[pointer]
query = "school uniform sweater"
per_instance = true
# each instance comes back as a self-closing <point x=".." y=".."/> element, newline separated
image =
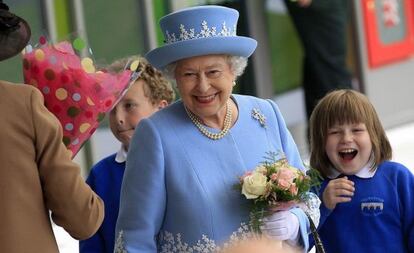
<point x="379" y="218"/>
<point x="105" y="179"/>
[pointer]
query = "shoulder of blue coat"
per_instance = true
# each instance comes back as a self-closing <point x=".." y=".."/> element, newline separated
<point x="263" y="104"/>
<point x="168" y="113"/>
<point x="249" y="99"/>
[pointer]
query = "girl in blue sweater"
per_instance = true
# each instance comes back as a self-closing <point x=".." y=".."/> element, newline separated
<point x="368" y="201"/>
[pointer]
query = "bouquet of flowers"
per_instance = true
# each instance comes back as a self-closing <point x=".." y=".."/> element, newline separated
<point x="74" y="91"/>
<point x="275" y="185"/>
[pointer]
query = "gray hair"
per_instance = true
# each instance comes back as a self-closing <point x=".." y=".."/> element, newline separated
<point x="237" y="65"/>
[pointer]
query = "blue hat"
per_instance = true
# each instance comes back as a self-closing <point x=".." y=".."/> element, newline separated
<point x="201" y="30"/>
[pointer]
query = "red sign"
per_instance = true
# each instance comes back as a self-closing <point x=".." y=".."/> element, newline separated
<point x="389" y="30"/>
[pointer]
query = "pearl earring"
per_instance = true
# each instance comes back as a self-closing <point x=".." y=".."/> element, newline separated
<point x="234" y="83"/>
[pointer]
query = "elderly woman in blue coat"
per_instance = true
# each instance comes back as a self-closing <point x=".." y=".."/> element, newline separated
<point x="178" y="191"/>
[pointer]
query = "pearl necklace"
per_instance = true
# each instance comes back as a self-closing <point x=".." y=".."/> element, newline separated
<point x="214" y="136"/>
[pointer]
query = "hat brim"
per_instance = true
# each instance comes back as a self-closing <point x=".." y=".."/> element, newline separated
<point x="13" y="42"/>
<point x="236" y="45"/>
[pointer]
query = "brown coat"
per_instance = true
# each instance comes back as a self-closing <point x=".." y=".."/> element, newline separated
<point x="38" y="176"/>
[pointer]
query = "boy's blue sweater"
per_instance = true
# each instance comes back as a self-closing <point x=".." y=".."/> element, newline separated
<point x="105" y="179"/>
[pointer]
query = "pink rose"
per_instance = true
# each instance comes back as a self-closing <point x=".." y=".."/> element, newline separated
<point x="286" y="173"/>
<point x="293" y="189"/>
<point x="248" y="173"/>
<point x="284" y="177"/>
<point x="283" y="184"/>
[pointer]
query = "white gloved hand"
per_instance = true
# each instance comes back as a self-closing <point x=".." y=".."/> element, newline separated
<point x="281" y="225"/>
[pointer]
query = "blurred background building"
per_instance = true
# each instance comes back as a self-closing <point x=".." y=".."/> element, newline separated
<point x="380" y="55"/>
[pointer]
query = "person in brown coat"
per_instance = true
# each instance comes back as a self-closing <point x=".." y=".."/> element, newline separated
<point x="37" y="175"/>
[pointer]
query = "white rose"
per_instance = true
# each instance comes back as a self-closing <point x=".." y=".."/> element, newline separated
<point x="254" y="185"/>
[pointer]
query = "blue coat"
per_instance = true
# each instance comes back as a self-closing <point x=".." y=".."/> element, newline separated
<point x="178" y="192"/>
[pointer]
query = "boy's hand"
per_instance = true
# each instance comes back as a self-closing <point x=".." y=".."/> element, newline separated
<point x="339" y="190"/>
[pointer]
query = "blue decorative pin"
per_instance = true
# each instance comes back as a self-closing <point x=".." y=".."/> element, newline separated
<point x="256" y="114"/>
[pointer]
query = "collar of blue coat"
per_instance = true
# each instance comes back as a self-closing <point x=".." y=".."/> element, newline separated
<point x="121" y="155"/>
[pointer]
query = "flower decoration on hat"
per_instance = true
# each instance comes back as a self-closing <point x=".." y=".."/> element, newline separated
<point x="74" y="91"/>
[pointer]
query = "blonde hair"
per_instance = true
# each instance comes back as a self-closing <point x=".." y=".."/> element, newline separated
<point x="342" y="107"/>
<point x="157" y="87"/>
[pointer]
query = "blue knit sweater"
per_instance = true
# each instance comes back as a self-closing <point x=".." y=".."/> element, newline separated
<point x="380" y="217"/>
<point x="105" y="179"/>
